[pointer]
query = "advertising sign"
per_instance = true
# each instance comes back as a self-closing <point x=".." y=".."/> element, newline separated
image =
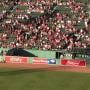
<point x="16" y="59"/>
<point x="51" y="61"/>
<point x="39" y="60"/>
<point x="77" y="63"/>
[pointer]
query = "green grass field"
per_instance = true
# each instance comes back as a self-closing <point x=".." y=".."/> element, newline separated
<point x="26" y="79"/>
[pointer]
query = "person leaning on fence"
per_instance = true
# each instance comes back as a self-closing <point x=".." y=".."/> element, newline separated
<point x="3" y="53"/>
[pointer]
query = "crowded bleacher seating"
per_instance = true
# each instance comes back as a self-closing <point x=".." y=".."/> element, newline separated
<point x="44" y="24"/>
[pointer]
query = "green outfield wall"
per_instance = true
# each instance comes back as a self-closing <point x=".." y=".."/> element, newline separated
<point x="53" y="55"/>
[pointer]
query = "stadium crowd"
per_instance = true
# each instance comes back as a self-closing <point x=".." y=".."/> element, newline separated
<point x="47" y="28"/>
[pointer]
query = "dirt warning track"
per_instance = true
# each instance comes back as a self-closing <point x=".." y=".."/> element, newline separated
<point x="46" y="67"/>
